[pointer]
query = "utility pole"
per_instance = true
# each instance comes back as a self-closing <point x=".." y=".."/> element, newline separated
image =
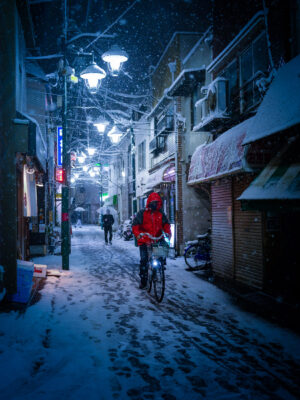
<point x="65" y="223"/>
<point x="134" y="205"/>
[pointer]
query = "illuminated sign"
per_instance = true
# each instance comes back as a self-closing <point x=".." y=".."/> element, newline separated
<point x="59" y="175"/>
<point x="59" y="146"/>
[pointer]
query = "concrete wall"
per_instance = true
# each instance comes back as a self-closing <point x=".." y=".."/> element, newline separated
<point x="8" y="193"/>
<point x="196" y="217"/>
<point x="196" y="213"/>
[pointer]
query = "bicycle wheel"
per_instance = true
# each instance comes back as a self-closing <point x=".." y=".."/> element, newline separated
<point x="159" y="282"/>
<point x="192" y="257"/>
<point x="149" y="280"/>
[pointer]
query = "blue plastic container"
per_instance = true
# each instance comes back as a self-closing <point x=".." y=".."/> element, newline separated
<point x="24" y="282"/>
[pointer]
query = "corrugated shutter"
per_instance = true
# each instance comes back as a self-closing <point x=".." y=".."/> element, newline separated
<point x="247" y="238"/>
<point x="222" y="237"/>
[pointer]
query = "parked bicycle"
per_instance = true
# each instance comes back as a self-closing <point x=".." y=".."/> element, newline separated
<point x="157" y="254"/>
<point x="197" y="253"/>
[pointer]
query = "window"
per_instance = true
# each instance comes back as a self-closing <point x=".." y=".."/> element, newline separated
<point x="253" y="64"/>
<point x="230" y="73"/>
<point x="142" y="156"/>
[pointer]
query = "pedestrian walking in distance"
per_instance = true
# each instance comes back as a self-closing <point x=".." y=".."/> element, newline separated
<point x="150" y="220"/>
<point x="108" y="221"/>
<point x="79" y="224"/>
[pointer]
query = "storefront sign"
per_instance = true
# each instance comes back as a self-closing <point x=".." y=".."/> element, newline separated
<point x="169" y="174"/>
<point x="59" y="146"/>
<point x="65" y="217"/>
<point x="59" y="175"/>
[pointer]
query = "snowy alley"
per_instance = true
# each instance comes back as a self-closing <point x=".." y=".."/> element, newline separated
<point x="93" y="334"/>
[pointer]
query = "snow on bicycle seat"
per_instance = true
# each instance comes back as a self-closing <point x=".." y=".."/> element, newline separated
<point x="191" y="242"/>
<point x="202" y="236"/>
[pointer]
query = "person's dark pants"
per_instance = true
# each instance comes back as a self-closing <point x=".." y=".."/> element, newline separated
<point x="143" y="263"/>
<point x="106" y="231"/>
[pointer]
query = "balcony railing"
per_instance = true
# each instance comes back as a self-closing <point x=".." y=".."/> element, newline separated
<point x="165" y="124"/>
<point x="157" y="144"/>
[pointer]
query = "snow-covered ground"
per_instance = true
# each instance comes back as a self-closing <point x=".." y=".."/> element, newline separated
<point x="94" y="335"/>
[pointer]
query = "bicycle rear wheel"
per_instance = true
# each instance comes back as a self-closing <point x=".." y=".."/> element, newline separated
<point x="192" y="257"/>
<point x="159" y="282"/>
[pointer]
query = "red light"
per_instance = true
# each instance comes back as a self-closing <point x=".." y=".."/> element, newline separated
<point x="59" y="175"/>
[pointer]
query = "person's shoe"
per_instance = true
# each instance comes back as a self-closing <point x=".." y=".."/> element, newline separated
<point x="110" y="243"/>
<point x="106" y="243"/>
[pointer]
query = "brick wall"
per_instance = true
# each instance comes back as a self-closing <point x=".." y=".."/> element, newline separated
<point x="179" y="211"/>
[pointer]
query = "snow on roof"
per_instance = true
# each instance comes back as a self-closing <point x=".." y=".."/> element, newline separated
<point x="169" y="44"/>
<point x="280" y="108"/>
<point x="192" y="51"/>
<point x="182" y="75"/>
<point x="221" y="157"/>
<point x="237" y="39"/>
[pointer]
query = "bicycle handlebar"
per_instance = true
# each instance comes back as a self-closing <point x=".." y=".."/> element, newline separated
<point x="152" y="237"/>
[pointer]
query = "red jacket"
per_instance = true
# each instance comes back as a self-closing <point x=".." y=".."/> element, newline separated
<point x="152" y="222"/>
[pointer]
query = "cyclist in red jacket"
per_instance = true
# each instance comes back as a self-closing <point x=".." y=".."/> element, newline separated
<point x="150" y="220"/>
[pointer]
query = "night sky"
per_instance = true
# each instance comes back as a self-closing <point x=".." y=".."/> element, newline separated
<point x="143" y="32"/>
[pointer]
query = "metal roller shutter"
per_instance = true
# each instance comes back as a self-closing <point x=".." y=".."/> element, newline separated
<point x="222" y="236"/>
<point x="247" y="239"/>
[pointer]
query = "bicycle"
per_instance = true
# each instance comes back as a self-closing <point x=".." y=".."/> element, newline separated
<point x="197" y="253"/>
<point x="157" y="254"/>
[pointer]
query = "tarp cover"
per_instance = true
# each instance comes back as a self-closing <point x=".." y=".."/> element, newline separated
<point x="221" y="157"/>
<point x="279" y="180"/>
<point x="280" y="108"/>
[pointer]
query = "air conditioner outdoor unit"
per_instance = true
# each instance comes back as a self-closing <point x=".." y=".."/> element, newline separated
<point x="217" y="96"/>
<point x="202" y="109"/>
<point x="213" y="106"/>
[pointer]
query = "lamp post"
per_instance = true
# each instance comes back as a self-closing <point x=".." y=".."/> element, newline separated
<point x="132" y="148"/>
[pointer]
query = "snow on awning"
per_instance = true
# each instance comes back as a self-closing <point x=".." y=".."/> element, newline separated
<point x="221" y="157"/>
<point x="279" y="180"/>
<point x="186" y="81"/>
<point x="165" y="174"/>
<point x="280" y="108"/>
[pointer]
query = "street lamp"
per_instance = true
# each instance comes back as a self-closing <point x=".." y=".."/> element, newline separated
<point x="115" y="57"/>
<point x="91" y="151"/>
<point x="92" y="76"/>
<point x="101" y="125"/>
<point x="114" y="134"/>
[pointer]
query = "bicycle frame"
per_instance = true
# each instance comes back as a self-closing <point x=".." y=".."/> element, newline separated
<point x="156" y="273"/>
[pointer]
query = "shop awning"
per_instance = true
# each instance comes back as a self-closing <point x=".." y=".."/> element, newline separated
<point x="165" y="174"/>
<point x="280" y="108"/>
<point x="222" y="157"/>
<point x="279" y="180"/>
